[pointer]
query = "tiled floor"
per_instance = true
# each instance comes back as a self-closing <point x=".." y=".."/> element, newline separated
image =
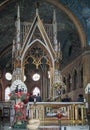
<point x="43" y="126"/>
<point x="7" y="126"/>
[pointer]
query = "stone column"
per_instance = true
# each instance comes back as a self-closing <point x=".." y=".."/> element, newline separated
<point x="51" y="81"/>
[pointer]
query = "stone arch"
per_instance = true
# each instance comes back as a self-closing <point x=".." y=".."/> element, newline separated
<point x="81" y="76"/>
<point x="64" y="80"/>
<point x="39" y="42"/>
<point x="69" y="82"/>
<point x="47" y="55"/>
<point x="74" y="20"/>
<point x="36" y="90"/>
<point x="7" y="92"/>
<point x="75" y="79"/>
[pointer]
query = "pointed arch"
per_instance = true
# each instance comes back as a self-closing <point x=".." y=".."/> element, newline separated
<point x="64" y="81"/>
<point x="69" y="83"/>
<point x="44" y="48"/>
<point x="7" y="92"/>
<point x="75" y="79"/>
<point x="81" y="77"/>
<point x="36" y="90"/>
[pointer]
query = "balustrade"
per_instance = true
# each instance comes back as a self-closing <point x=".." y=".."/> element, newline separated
<point x="66" y="112"/>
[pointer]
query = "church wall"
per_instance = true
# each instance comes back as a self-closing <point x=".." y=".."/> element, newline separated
<point x="86" y="64"/>
<point x="78" y="87"/>
<point x="4" y="83"/>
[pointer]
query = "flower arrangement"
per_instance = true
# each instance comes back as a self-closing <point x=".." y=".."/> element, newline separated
<point x="20" y="99"/>
<point x="57" y="85"/>
<point x="19" y="95"/>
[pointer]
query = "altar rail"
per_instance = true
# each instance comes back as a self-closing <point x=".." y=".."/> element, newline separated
<point x="64" y="112"/>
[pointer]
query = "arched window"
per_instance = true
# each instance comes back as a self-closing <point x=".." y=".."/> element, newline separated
<point x="7" y="92"/>
<point x="69" y="83"/>
<point x="75" y="80"/>
<point x="36" y="91"/>
<point x="81" y="75"/>
<point x="70" y="50"/>
<point x="64" y="80"/>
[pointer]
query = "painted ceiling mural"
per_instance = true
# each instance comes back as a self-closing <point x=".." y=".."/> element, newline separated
<point x="67" y="33"/>
<point x="81" y="8"/>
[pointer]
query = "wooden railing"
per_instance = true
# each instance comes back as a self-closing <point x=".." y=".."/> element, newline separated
<point x="64" y="112"/>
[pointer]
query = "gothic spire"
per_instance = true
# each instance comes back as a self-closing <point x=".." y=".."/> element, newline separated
<point x="37" y="6"/>
<point x="55" y="30"/>
<point x="18" y="28"/>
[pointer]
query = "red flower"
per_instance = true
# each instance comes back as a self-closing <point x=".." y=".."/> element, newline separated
<point x="16" y="94"/>
<point x="19" y="96"/>
<point x="20" y="104"/>
<point x="25" y="101"/>
<point x="59" y="115"/>
<point x="27" y="94"/>
<point x="16" y="108"/>
<point x="9" y="94"/>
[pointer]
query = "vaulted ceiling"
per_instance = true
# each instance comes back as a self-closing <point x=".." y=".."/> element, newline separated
<point x="66" y="12"/>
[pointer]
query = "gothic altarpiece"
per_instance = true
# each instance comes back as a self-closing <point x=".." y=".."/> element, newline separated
<point x="34" y="42"/>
